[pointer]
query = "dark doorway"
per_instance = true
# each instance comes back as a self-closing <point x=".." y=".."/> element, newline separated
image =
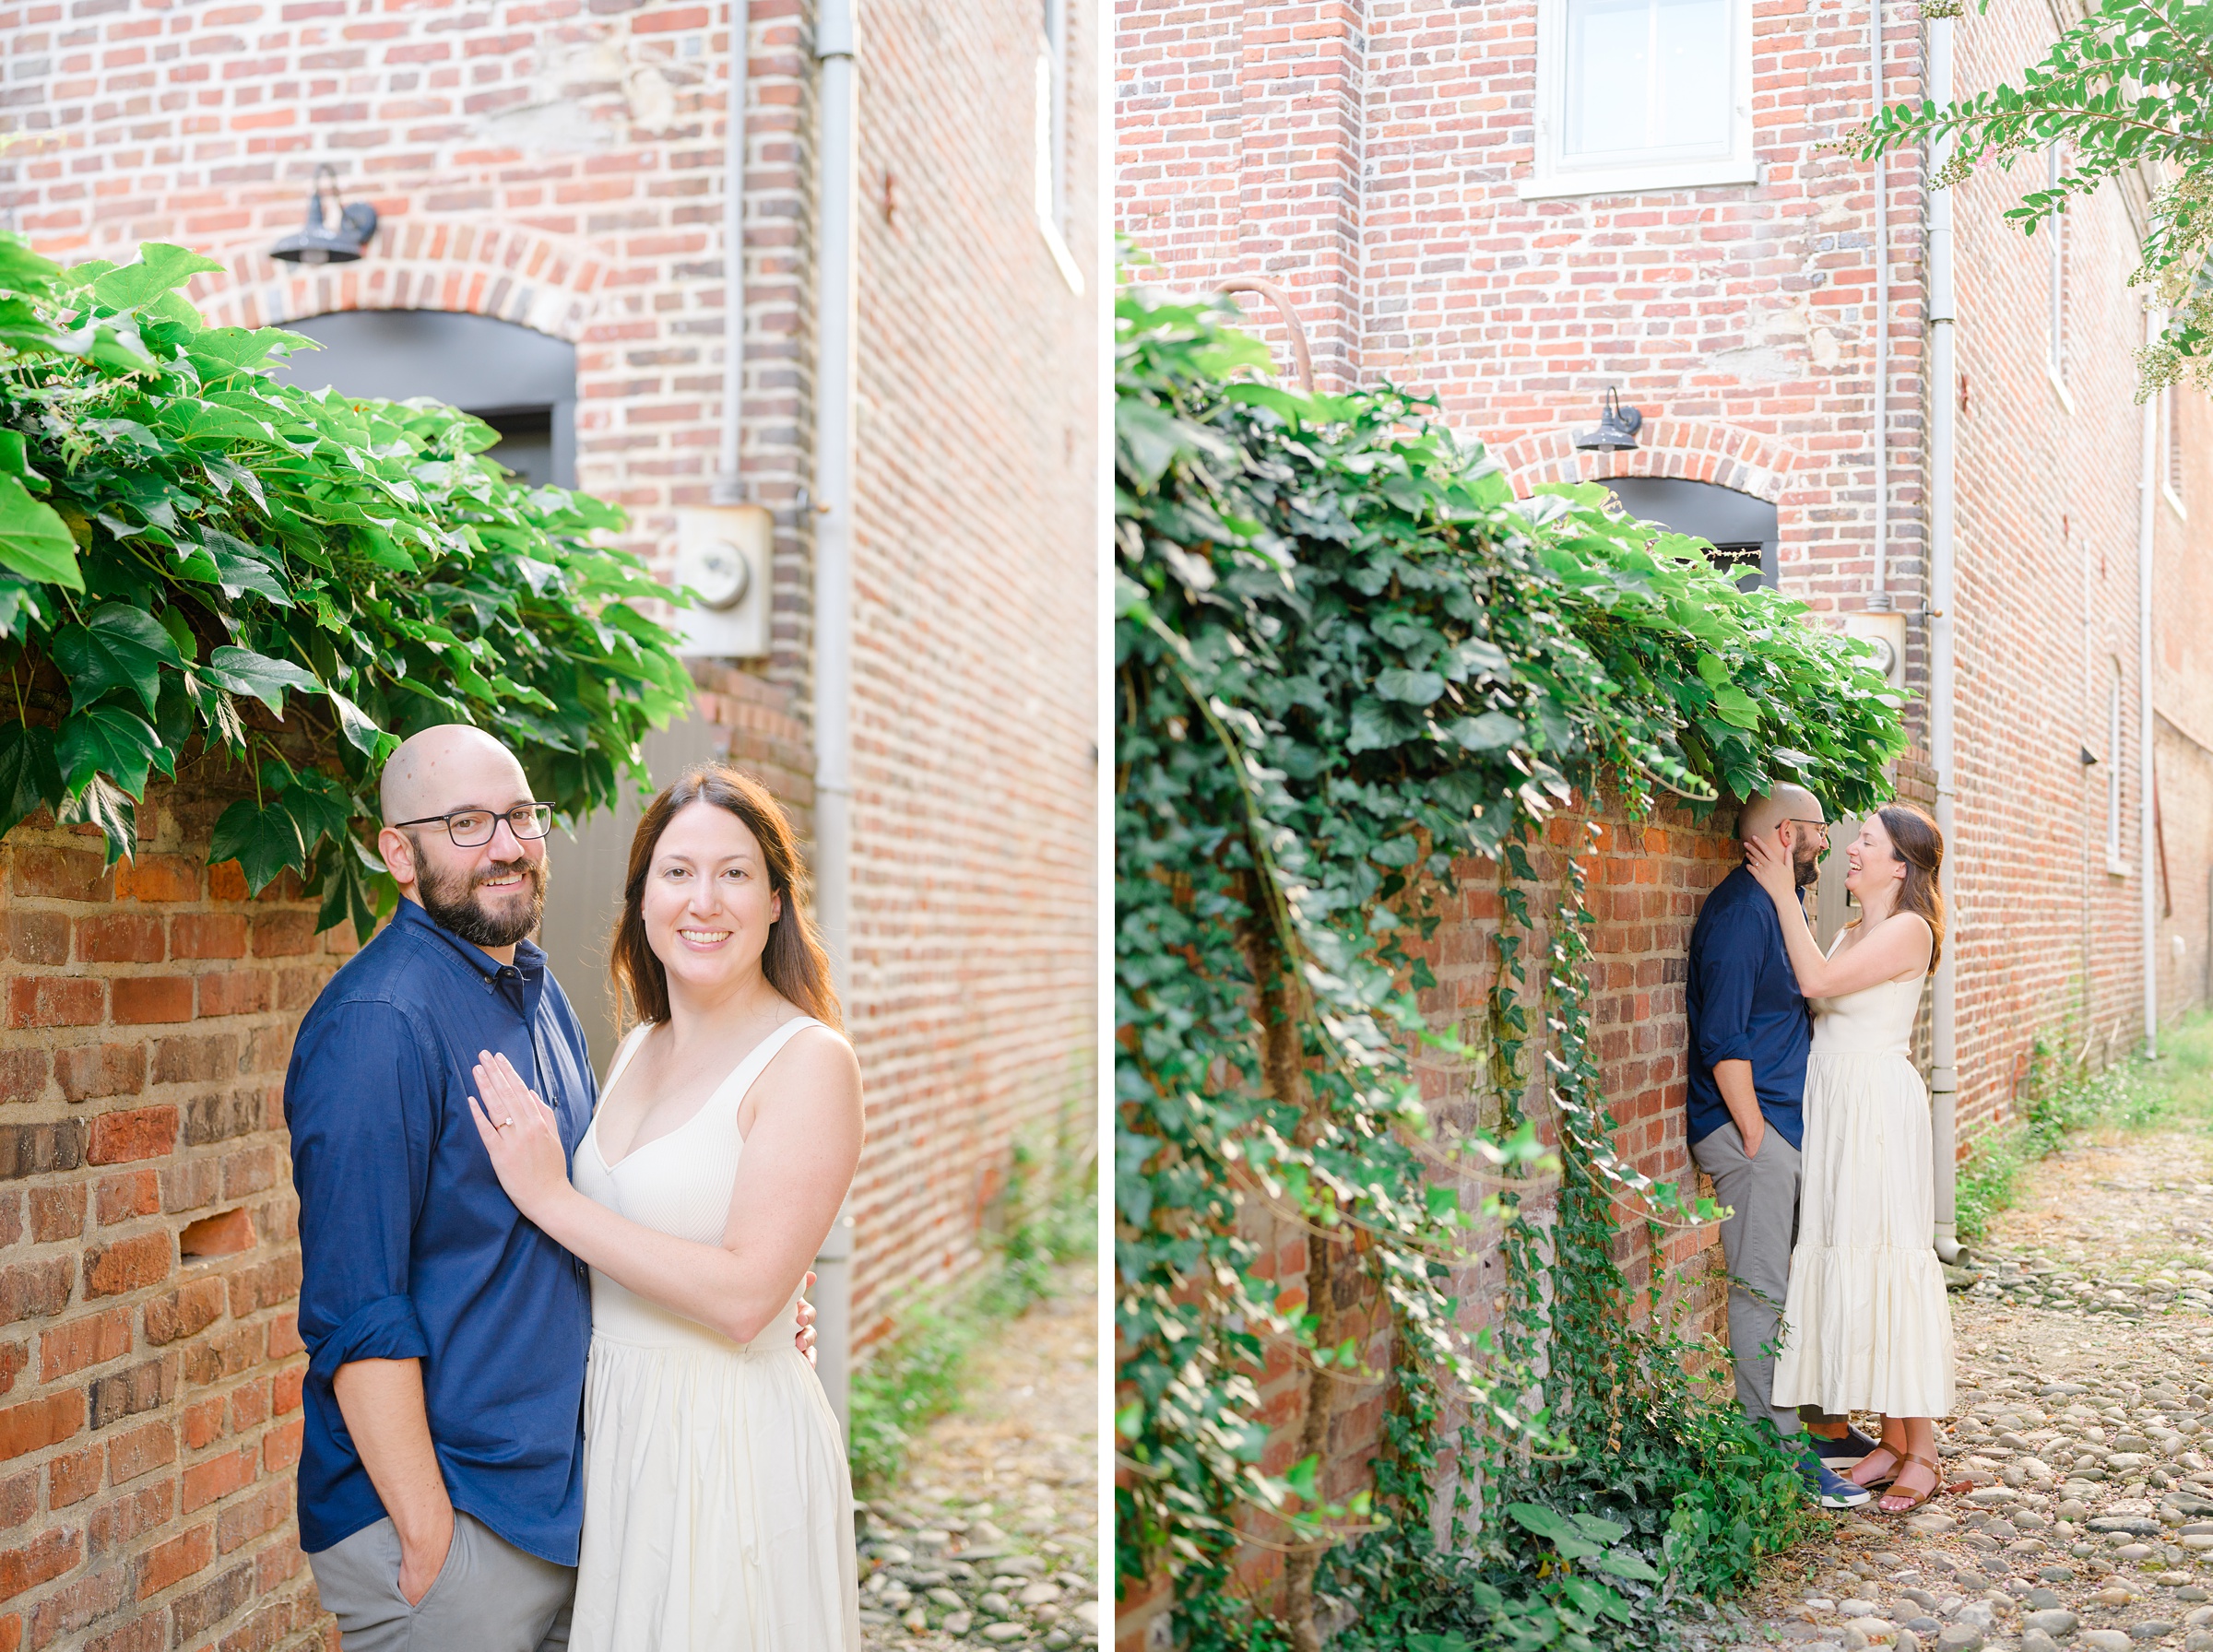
<point x="521" y="383"/>
<point x="1740" y="529"/>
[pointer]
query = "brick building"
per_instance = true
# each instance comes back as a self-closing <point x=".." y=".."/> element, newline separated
<point x="917" y="380"/>
<point x="1518" y="207"/>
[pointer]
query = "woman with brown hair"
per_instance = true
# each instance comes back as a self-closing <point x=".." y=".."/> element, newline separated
<point x="717" y="1508"/>
<point x="1867" y="1326"/>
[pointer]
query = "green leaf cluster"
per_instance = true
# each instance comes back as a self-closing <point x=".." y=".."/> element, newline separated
<point x="1349" y="666"/>
<point x="2128" y="87"/>
<point x="200" y="563"/>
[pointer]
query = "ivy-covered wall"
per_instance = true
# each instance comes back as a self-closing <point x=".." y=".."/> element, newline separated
<point x="1646" y="878"/>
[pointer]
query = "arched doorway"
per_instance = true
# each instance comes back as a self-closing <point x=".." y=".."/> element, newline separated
<point x="521" y="383"/>
<point x="1741" y="529"/>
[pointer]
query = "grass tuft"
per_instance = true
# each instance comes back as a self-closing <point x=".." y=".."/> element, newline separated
<point x="915" y="1375"/>
<point x="2059" y="1099"/>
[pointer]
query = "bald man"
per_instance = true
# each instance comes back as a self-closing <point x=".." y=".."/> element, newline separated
<point x="440" y="1483"/>
<point x="1750" y="1031"/>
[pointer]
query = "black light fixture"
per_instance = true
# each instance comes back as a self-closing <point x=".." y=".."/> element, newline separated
<point x="1617" y="428"/>
<point x="319" y="240"/>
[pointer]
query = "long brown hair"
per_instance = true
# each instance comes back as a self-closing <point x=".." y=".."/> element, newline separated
<point x="793" y="960"/>
<point x="1916" y="842"/>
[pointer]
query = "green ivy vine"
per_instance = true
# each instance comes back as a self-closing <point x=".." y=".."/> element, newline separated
<point x="200" y="563"/>
<point x="1351" y="667"/>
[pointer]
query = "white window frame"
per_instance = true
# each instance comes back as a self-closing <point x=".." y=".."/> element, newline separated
<point x="1051" y="180"/>
<point x="2055" y="318"/>
<point x="2116" y="864"/>
<point x="1553" y="179"/>
<point x="2170" y="451"/>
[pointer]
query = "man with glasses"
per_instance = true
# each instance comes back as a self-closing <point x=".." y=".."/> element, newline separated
<point x="440" y="1481"/>
<point x="1750" y="1033"/>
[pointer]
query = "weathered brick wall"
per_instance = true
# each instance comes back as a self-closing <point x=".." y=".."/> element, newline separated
<point x="1647" y="879"/>
<point x="2182" y="690"/>
<point x="2051" y="939"/>
<point x="1741" y="321"/>
<point x="976" y="762"/>
<point x="150" y="1361"/>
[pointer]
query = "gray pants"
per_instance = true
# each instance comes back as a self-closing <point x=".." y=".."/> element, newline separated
<point x="1762" y="1194"/>
<point x="488" y="1597"/>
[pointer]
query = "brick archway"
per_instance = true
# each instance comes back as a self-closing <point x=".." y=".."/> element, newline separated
<point x="502" y="271"/>
<point x="1691" y="449"/>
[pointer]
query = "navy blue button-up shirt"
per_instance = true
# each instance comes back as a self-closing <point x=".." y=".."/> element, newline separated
<point x="1743" y="1003"/>
<point x="411" y="1250"/>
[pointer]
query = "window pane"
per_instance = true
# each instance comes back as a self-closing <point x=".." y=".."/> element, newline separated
<point x="1694" y="74"/>
<point x="1647" y="75"/>
<point x="1609" y="74"/>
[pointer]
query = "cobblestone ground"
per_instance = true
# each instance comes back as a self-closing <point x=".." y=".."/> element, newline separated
<point x="992" y="1537"/>
<point x="2081" y="1459"/>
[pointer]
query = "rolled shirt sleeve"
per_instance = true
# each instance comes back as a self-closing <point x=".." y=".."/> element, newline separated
<point x="359" y="1104"/>
<point x="1728" y="976"/>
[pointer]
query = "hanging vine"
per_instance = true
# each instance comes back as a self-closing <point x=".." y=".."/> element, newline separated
<point x="1350" y="666"/>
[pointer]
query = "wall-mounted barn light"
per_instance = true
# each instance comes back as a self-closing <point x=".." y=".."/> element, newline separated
<point x="1617" y="428"/>
<point x="321" y="241"/>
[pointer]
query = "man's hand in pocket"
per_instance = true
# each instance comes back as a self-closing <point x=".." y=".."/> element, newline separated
<point x="421" y="1563"/>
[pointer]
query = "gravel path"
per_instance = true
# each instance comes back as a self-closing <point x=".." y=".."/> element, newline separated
<point x="992" y="1537"/>
<point x="2084" y="1423"/>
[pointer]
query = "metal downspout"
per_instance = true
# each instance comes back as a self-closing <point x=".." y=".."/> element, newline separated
<point x="728" y="490"/>
<point x="1878" y="592"/>
<point x="2147" y="850"/>
<point x="831" y="498"/>
<point x="1943" y="406"/>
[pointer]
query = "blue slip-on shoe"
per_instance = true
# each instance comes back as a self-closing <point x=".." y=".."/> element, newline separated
<point x="1844" y="1450"/>
<point x="1831" y="1490"/>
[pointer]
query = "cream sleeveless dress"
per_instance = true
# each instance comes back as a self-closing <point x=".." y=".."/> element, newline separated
<point x="718" y="1507"/>
<point x="1867" y="1326"/>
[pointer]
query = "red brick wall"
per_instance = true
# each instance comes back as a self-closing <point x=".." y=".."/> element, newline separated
<point x="976" y="762"/>
<point x="1741" y="321"/>
<point x="150" y="1361"/>
<point x="1647" y="880"/>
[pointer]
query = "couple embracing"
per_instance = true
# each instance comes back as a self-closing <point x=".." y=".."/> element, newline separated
<point x="1809" y="1116"/>
<point x="558" y="1391"/>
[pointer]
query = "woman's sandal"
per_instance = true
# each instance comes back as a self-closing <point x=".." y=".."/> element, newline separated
<point x="1916" y="1498"/>
<point x="1888" y="1475"/>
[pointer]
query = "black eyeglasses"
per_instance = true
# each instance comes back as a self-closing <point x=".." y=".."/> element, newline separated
<point x="473" y="828"/>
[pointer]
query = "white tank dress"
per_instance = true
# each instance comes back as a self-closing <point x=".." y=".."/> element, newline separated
<point x="1867" y="1326"/>
<point x="718" y="1506"/>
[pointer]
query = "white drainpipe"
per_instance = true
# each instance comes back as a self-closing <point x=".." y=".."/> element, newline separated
<point x="832" y="497"/>
<point x="1878" y="593"/>
<point x="727" y="489"/>
<point x="1943" y="405"/>
<point x="2147" y="847"/>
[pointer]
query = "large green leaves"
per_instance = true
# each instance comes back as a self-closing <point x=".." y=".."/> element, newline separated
<point x="240" y="567"/>
<point x="157" y="270"/>
<point x="112" y="740"/>
<point x="34" y="541"/>
<point x="29" y="777"/>
<point x="241" y="671"/>
<point x="118" y="647"/>
<point x="262" y="838"/>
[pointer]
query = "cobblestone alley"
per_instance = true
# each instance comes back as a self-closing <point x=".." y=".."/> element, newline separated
<point x="2081" y="1455"/>
<point x="992" y="1537"/>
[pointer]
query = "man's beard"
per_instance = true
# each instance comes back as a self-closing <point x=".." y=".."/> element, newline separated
<point x="453" y="901"/>
<point x="1807" y="872"/>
